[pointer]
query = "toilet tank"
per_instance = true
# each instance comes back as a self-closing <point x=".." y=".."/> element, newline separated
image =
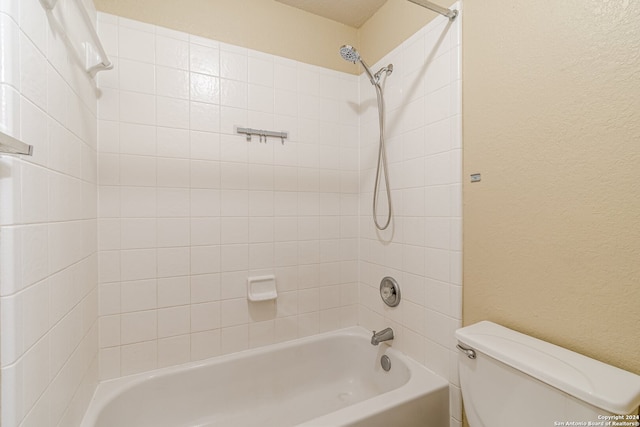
<point x="516" y="379"/>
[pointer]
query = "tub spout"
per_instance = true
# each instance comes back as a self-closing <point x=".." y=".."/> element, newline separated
<point x="383" y="335"/>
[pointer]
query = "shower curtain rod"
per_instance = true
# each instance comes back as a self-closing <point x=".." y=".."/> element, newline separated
<point x="451" y="14"/>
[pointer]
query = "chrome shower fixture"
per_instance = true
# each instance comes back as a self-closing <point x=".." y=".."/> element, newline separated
<point x="349" y="53"/>
<point x="451" y="14"/>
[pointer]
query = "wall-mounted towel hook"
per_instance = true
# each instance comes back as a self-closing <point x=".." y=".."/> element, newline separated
<point x="262" y="134"/>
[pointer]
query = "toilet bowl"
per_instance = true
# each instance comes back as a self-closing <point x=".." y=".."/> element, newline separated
<point x="508" y="379"/>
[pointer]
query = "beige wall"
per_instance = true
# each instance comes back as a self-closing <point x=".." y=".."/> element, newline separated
<point x="392" y="24"/>
<point x="263" y="25"/>
<point x="272" y="27"/>
<point x="552" y="121"/>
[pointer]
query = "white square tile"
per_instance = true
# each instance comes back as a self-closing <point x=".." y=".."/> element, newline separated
<point x="205" y="316"/>
<point x="173" y="232"/>
<point x="234" y="230"/>
<point x="173" y="202"/>
<point x="205" y="231"/>
<point x="261" y="333"/>
<point x="205" y="117"/>
<point x="205" y="259"/>
<point x="138" y="202"/>
<point x="108" y="137"/>
<point x="205" y="145"/>
<point x="205" y="344"/>
<point x="109" y="104"/>
<point x="138" y="357"/>
<point x="205" y="88"/>
<point x="173" y="172"/>
<point x="138" y="171"/>
<point x="109" y="270"/>
<point x="173" y="291"/>
<point x="234" y="176"/>
<point x="205" y="174"/>
<point x="174" y="350"/>
<point x="138" y="264"/>
<point x="173" y="321"/>
<point x="261" y="229"/>
<point x="234" y="339"/>
<point x="173" y="262"/>
<point x="137" y="139"/>
<point x="261" y="256"/>
<point x="234" y="203"/>
<point x="233" y="66"/>
<point x="172" y="83"/>
<point x="205" y="60"/>
<point x="205" y="202"/>
<point x="233" y="284"/>
<point x="109" y="363"/>
<point x="108" y="234"/>
<point x="261" y="203"/>
<point x="138" y="295"/>
<point x="285" y="75"/>
<point x="233" y="93"/>
<point x="173" y="142"/>
<point x="438" y="233"/>
<point x="137" y="108"/>
<point x="234" y="312"/>
<point x="205" y="288"/>
<point x="261" y="98"/>
<point x="138" y="233"/>
<point x="33" y="69"/>
<point x="172" y="53"/>
<point x="136" y="45"/>
<point x="108" y="33"/>
<point x="136" y="76"/>
<point x="139" y="326"/>
<point x="261" y="71"/>
<point x="234" y="257"/>
<point x="172" y="112"/>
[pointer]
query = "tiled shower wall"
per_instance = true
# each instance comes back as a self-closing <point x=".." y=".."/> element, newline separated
<point x="422" y="247"/>
<point x="188" y="209"/>
<point x="48" y="239"/>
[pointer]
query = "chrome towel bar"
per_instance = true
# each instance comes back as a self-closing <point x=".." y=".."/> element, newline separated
<point x="262" y="134"/>
<point x="10" y="145"/>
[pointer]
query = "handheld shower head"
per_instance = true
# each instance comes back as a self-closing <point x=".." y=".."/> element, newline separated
<point x="349" y="53"/>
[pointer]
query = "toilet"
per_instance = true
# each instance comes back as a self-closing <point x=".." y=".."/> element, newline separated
<point x="511" y="379"/>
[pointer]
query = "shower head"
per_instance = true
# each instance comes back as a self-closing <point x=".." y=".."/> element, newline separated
<point x="349" y="53"/>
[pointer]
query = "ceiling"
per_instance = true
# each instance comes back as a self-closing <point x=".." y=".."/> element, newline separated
<point x="349" y="12"/>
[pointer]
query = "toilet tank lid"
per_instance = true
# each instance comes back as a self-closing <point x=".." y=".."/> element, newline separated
<point x="596" y="383"/>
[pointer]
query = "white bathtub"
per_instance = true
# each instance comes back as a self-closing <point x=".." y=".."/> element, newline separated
<point x="332" y="379"/>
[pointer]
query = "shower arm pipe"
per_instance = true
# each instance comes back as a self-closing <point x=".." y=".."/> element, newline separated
<point x="105" y="63"/>
<point x="451" y="14"/>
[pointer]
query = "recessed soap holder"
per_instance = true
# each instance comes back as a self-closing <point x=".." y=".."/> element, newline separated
<point x="261" y="288"/>
<point x="390" y="291"/>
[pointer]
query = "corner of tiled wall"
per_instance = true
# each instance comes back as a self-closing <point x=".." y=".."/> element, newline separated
<point x="422" y="247"/>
